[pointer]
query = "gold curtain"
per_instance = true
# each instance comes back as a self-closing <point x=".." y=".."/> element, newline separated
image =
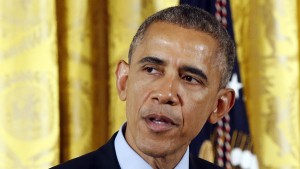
<point x="82" y="53"/>
<point x="29" y="113"/>
<point x="267" y="36"/>
<point x="57" y="86"/>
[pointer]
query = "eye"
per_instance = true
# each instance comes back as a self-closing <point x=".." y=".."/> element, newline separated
<point x="190" y="79"/>
<point x="151" y="70"/>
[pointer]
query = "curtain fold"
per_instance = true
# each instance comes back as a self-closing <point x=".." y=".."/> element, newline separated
<point x="29" y="114"/>
<point x="83" y="76"/>
<point x="268" y="43"/>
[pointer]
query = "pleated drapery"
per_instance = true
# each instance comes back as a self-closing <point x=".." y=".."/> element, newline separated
<point x="29" y="112"/>
<point x="82" y="60"/>
<point x="267" y="36"/>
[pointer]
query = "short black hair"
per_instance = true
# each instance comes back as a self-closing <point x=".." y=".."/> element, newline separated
<point x="197" y="19"/>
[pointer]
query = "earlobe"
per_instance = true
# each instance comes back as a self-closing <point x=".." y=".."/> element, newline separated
<point x="226" y="99"/>
<point x="121" y="77"/>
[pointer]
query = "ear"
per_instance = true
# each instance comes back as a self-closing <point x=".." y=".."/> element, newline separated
<point x="122" y="76"/>
<point x="226" y="99"/>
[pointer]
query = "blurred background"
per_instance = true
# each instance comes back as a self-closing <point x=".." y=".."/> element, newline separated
<point x="58" y="98"/>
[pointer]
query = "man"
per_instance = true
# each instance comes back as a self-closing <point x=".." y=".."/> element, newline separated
<point x="180" y="61"/>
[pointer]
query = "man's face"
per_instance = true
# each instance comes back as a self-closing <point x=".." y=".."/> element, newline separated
<point x="170" y="88"/>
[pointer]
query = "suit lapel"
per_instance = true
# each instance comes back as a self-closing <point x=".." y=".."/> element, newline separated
<point x="106" y="155"/>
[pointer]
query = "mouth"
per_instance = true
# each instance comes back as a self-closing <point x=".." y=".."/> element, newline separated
<point x="159" y="123"/>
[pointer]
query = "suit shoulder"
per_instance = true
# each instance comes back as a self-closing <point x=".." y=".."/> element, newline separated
<point x="81" y="162"/>
<point x="196" y="163"/>
<point x="104" y="157"/>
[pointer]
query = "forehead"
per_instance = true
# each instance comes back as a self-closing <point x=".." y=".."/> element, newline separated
<point x="177" y="41"/>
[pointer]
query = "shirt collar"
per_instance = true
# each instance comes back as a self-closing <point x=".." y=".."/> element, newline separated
<point x="129" y="159"/>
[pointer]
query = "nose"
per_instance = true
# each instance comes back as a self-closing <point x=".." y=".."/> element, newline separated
<point x="166" y="92"/>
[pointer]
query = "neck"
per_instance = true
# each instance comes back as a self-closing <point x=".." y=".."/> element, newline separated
<point x="158" y="160"/>
<point x="166" y="162"/>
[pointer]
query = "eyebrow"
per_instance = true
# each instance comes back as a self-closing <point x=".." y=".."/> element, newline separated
<point x="152" y="59"/>
<point x="195" y="71"/>
<point x="158" y="61"/>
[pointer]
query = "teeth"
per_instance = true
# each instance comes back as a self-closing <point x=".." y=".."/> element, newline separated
<point x="158" y="121"/>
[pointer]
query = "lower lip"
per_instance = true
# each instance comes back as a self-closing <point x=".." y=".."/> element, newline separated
<point x="159" y="127"/>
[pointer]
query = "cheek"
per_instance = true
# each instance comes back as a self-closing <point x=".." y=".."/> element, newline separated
<point x="194" y="121"/>
<point x="137" y="92"/>
<point x="196" y="110"/>
<point x="195" y="102"/>
<point x="194" y="94"/>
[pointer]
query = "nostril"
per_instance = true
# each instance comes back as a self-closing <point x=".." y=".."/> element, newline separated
<point x="170" y="102"/>
<point x="155" y="98"/>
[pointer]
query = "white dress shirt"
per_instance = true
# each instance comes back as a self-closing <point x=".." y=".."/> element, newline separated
<point x="129" y="159"/>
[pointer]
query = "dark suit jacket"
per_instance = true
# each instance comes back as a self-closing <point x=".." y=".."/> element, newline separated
<point x="105" y="158"/>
